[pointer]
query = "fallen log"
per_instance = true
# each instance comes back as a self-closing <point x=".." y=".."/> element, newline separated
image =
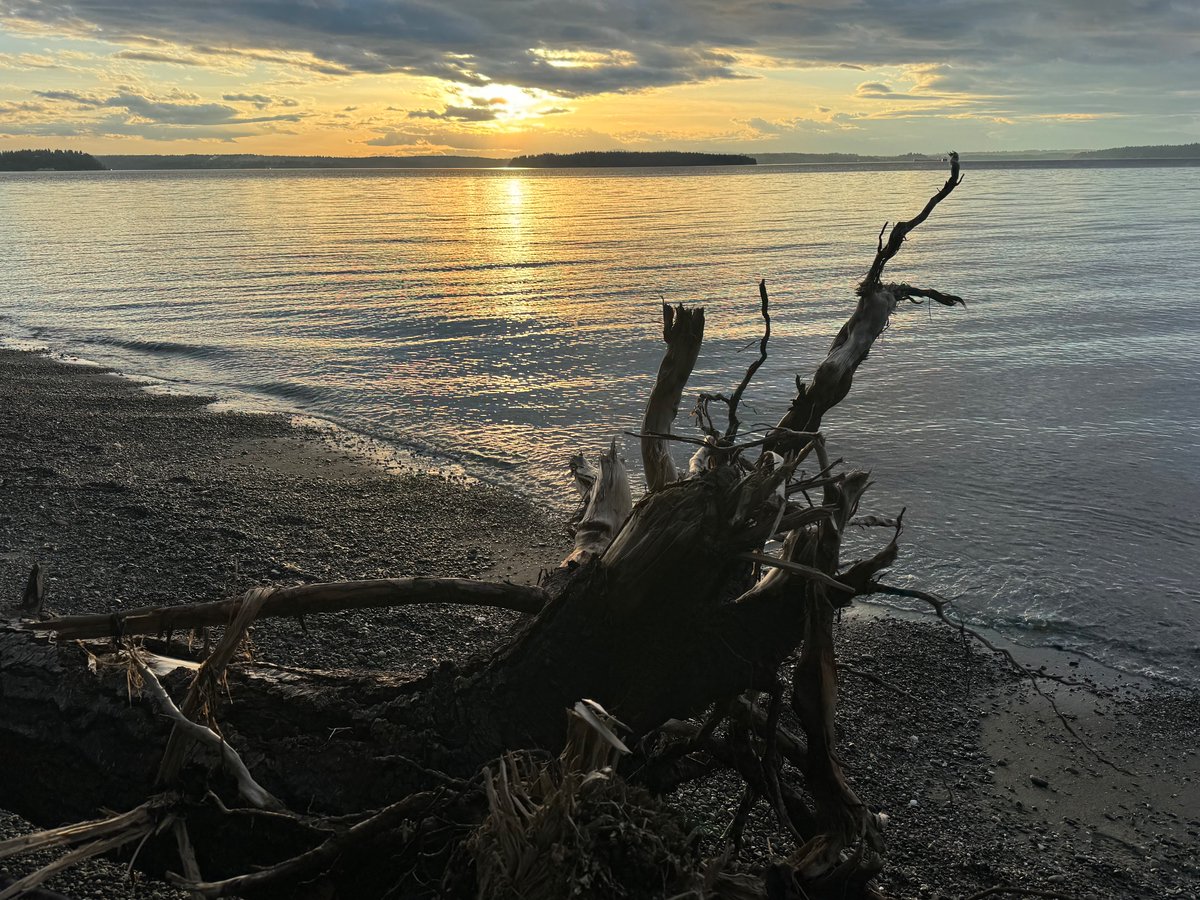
<point x="670" y="611"/>
<point x="296" y="601"/>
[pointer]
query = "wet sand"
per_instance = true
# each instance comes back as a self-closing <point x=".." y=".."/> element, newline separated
<point x="130" y="499"/>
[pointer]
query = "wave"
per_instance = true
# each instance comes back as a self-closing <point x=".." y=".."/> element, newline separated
<point x="163" y="348"/>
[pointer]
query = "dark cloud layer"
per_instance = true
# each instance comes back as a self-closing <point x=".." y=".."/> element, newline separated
<point x="456" y="114"/>
<point x="637" y="44"/>
<point x="171" y="111"/>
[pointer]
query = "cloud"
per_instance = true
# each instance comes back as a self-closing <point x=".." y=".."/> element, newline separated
<point x="173" y="113"/>
<point x="443" y="139"/>
<point x="993" y="60"/>
<point x="560" y="47"/>
<point x="20" y="109"/>
<point x="178" y="109"/>
<point x="395" y="139"/>
<point x="457" y="114"/>
<point x="70" y="97"/>
<point x="877" y="90"/>
<point x="262" y="101"/>
<point x="28" y="61"/>
<point x="874" y="89"/>
<point x="120" y="127"/>
<point x="158" y="57"/>
<point x="567" y="47"/>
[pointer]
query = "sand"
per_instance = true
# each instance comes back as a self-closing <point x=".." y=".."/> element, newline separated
<point x="130" y="499"/>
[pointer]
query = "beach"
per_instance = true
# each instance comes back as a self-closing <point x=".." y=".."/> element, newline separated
<point x="131" y="499"/>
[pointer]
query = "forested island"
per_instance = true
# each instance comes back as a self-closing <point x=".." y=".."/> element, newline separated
<point x="48" y="160"/>
<point x="1155" y="151"/>
<point x="601" y="158"/>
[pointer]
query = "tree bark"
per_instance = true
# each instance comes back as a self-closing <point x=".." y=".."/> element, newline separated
<point x="683" y="332"/>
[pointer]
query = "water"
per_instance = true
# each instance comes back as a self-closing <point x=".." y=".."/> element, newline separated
<point x="1044" y="440"/>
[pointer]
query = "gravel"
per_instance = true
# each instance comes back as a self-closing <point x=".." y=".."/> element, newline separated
<point x="129" y="499"/>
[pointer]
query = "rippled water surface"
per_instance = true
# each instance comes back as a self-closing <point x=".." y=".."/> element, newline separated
<point x="1046" y="440"/>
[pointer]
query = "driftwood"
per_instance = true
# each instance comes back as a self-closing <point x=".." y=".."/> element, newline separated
<point x="300" y="600"/>
<point x="676" y="614"/>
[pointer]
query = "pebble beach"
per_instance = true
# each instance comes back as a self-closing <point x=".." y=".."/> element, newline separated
<point x="131" y="499"/>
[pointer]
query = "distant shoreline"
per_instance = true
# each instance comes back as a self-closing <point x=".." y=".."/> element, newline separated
<point x="71" y="160"/>
<point x="596" y="159"/>
<point x="764" y="166"/>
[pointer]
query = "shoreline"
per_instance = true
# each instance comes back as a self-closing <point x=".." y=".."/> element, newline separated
<point x="131" y="498"/>
<point x="396" y="457"/>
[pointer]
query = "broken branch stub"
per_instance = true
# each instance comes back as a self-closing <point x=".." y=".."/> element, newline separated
<point x="608" y="502"/>
<point x="683" y="332"/>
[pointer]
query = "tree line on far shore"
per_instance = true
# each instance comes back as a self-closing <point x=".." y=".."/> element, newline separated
<point x="74" y="160"/>
<point x="1153" y="151"/>
<point x="600" y="158"/>
<point x="53" y="160"/>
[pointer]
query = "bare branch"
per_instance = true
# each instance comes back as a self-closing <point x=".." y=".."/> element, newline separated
<point x="797" y="569"/>
<point x="204" y="684"/>
<point x="301" y="600"/>
<point x="76" y="856"/>
<point x="901" y="229"/>
<point x="833" y="377"/>
<point x="94" y="830"/>
<point x="732" y="430"/>
<point x="907" y="292"/>
<point x="253" y="793"/>
<point x="321" y="856"/>
<point x="939" y="605"/>
<point x="187" y="853"/>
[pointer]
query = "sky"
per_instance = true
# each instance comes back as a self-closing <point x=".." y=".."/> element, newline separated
<point x="504" y="77"/>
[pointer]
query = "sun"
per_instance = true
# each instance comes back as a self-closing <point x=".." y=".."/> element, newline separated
<point x="509" y="102"/>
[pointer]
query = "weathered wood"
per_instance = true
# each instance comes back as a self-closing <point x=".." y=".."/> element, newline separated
<point x="74" y="740"/>
<point x="607" y="502"/>
<point x="876" y="302"/>
<point x="683" y="332"/>
<point x="305" y="599"/>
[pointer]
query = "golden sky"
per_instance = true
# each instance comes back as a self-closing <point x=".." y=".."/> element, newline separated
<point x="499" y="78"/>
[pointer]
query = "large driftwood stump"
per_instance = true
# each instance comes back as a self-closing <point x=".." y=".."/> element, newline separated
<point x="675" y="614"/>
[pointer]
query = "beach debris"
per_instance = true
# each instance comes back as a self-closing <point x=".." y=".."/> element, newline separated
<point x="34" y="597"/>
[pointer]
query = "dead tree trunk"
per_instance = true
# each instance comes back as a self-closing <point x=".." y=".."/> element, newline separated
<point x="673" y="614"/>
